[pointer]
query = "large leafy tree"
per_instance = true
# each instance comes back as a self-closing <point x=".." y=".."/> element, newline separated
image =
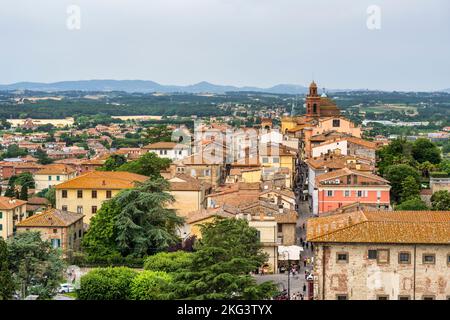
<point x="410" y="188"/>
<point x="169" y="261"/>
<point x="113" y="162"/>
<point x="440" y="200"/>
<point x="7" y="284"/>
<point x="148" y="164"/>
<point x="399" y="151"/>
<point x="227" y="252"/>
<point x="43" y="157"/>
<point x="414" y="203"/>
<point x="35" y="265"/>
<point x="425" y="150"/>
<point x="135" y="222"/>
<point x="157" y="133"/>
<point x="396" y="174"/>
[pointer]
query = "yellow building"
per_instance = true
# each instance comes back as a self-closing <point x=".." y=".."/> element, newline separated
<point x="63" y="229"/>
<point x="12" y="211"/>
<point x="86" y="193"/>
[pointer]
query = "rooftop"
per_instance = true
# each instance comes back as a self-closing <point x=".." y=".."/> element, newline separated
<point x="396" y="227"/>
<point x="51" y="218"/>
<point x="116" y="180"/>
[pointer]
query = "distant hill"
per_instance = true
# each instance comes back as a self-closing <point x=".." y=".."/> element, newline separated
<point x="146" y="86"/>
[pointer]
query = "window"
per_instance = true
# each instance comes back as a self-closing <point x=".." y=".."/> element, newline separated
<point x="329" y="193"/>
<point x="55" y="230"/>
<point x="108" y="194"/>
<point x="378" y="195"/>
<point x="1" y="227"/>
<point x="342" y="257"/>
<point x="429" y="258"/>
<point x="448" y="259"/>
<point x="428" y="298"/>
<point x="64" y="208"/>
<point x="94" y="194"/>
<point x="280" y="227"/>
<point x="336" y="123"/>
<point x="79" y="233"/>
<point x="404" y="298"/>
<point x="276" y="160"/>
<point x="80" y="209"/>
<point x="64" y="193"/>
<point x="74" y="236"/>
<point x="49" y="178"/>
<point x="58" y="178"/>
<point x="404" y="258"/>
<point x="383" y="256"/>
<point x="382" y="297"/>
<point x="94" y="209"/>
<point x="341" y="297"/>
<point x="1" y="215"/>
<point x="56" y="243"/>
<point x="372" y="254"/>
<point x="79" y="193"/>
<point x="265" y="160"/>
<point x="347" y="193"/>
<point x="207" y="173"/>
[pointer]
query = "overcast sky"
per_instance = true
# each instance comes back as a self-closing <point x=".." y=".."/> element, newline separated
<point x="233" y="42"/>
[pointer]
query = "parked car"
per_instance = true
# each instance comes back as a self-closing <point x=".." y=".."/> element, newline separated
<point x="66" y="288"/>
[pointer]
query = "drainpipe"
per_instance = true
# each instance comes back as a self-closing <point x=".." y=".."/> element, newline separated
<point x="323" y="272"/>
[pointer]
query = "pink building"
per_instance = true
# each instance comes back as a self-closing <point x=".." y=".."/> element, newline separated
<point x="343" y="187"/>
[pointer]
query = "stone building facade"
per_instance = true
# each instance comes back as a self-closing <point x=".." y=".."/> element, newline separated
<point x="380" y="255"/>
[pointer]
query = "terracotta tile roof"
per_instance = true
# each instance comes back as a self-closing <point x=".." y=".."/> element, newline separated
<point x="346" y="172"/>
<point x="115" y="180"/>
<point x="51" y="218"/>
<point x="56" y="169"/>
<point x="285" y="218"/>
<point x="335" y="161"/>
<point x="7" y="203"/>
<point x="184" y="182"/>
<point x="405" y="227"/>
<point x="224" y="212"/>
<point x="37" y="201"/>
<point x="165" y="145"/>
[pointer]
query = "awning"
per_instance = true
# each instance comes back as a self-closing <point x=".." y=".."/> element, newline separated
<point x="289" y="252"/>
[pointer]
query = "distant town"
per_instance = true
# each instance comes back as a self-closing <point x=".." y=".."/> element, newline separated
<point x="232" y="195"/>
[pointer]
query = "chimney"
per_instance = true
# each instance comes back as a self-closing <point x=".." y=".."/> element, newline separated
<point x="103" y="183"/>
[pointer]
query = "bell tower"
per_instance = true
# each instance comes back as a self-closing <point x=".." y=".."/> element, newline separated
<point x="313" y="101"/>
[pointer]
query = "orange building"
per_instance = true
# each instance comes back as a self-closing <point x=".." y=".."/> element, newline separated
<point x="343" y="187"/>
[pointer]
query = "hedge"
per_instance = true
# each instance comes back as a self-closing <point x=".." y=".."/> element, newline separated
<point x="106" y="284"/>
<point x="151" y="285"/>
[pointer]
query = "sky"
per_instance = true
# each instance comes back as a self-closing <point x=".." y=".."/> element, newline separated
<point x="230" y="42"/>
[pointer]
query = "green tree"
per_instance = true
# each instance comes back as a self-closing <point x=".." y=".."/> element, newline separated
<point x="14" y="151"/>
<point x="113" y="162"/>
<point x="135" y="222"/>
<point x="10" y="192"/>
<point x="148" y="165"/>
<point x="24" y="178"/>
<point x="157" y="133"/>
<point x="412" y="204"/>
<point x="24" y="193"/>
<point x="168" y="261"/>
<point x="7" y="285"/>
<point x="396" y="174"/>
<point x="440" y="200"/>
<point x="227" y="252"/>
<point x="151" y="285"/>
<point x="43" y="157"/>
<point x="399" y="151"/>
<point x="425" y="150"/>
<point x="35" y="265"/>
<point x="410" y="188"/>
<point x="50" y="195"/>
<point x="106" y="284"/>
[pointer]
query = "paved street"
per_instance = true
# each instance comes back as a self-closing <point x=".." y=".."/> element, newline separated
<point x="297" y="281"/>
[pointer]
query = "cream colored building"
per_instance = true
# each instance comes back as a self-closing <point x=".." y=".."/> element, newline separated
<point x="53" y="174"/>
<point x="63" y="229"/>
<point x="381" y="255"/>
<point x="86" y="193"/>
<point x="12" y="211"/>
